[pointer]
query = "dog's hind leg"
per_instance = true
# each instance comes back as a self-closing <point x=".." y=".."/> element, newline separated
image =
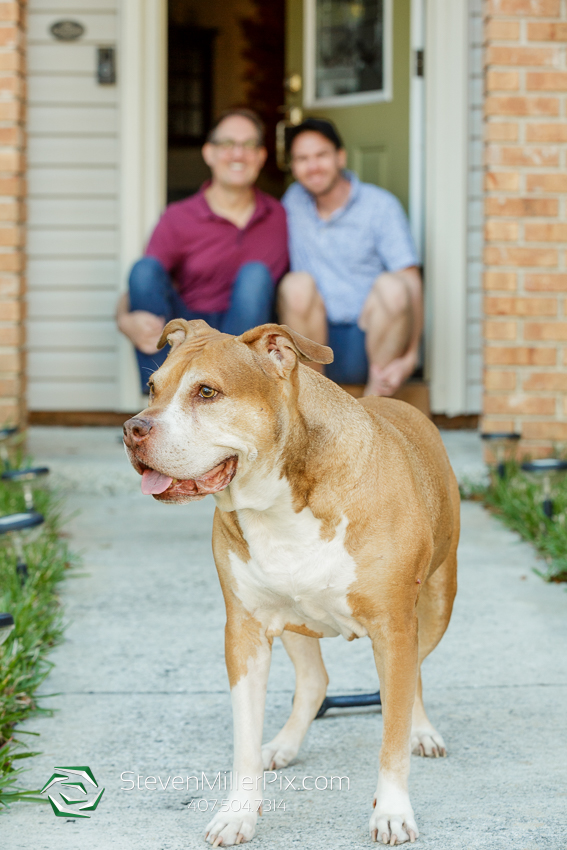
<point x="433" y="612"/>
<point x="311" y="682"/>
<point x="395" y="644"/>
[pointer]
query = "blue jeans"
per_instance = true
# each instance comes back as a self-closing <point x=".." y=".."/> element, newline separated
<point x="350" y="365"/>
<point x="151" y="289"/>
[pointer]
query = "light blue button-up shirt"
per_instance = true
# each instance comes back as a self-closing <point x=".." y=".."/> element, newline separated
<point x="346" y="252"/>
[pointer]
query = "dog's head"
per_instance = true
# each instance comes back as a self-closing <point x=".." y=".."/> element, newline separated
<point x="217" y="405"/>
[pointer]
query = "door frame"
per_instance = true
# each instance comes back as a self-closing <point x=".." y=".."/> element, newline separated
<point x="143" y="152"/>
<point x="445" y="208"/>
<point x="417" y="128"/>
<point x="438" y="174"/>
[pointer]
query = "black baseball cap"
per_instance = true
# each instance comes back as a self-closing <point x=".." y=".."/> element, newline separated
<point x="314" y="125"/>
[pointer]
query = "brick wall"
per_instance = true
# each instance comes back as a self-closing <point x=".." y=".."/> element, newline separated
<point x="12" y="193"/>
<point x="525" y="260"/>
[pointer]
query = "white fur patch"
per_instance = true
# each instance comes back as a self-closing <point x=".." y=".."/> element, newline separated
<point x="294" y="576"/>
<point x="393" y="817"/>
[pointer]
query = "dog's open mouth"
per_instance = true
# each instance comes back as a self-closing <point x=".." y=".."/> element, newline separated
<point x="166" y="488"/>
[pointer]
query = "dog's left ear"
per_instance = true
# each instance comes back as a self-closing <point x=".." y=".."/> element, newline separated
<point x="284" y="347"/>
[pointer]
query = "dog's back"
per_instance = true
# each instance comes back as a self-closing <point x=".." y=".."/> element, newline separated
<point x="413" y="436"/>
<point x="419" y="431"/>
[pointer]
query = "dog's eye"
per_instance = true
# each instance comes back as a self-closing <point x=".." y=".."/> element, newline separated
<point x="207" y="392"/>
<point x="152" y="391"/>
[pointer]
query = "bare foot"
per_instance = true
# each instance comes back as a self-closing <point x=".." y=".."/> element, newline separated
<point x="377" y="385"/>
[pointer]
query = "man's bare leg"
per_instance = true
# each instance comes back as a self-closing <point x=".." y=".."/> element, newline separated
<point x="301" y="307"/>
<point x="387" y="319"/>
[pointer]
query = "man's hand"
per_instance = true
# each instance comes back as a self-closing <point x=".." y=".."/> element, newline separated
<point x="143" y="329"/>
<point x="388" y="380"/>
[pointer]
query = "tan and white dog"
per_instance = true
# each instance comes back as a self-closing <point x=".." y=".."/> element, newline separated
<point x="334" y="517"/>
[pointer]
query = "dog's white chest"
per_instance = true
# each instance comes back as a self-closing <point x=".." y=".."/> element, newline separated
<point x="294" y="576"/>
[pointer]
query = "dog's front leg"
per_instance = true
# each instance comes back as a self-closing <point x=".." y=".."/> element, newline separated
<point x="395" y="647"/>
<point x="311" y="682"/>
<point x="248" y="655"/>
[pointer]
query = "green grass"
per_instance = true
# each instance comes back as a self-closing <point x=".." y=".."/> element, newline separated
<point x="516" y="499"/>
<point x="37" y="614"/>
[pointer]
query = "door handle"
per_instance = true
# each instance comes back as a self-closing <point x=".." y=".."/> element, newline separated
<point x="293" y="83"/>
<point x="293" y="115"/>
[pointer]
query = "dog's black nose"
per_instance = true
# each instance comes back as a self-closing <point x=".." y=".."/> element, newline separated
<point x="136" y="430"/>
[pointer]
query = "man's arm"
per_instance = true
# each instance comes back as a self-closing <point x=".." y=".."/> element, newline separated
<point x="143" y="329"/>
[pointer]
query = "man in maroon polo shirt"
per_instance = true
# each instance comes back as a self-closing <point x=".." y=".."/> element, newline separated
<point x="215" y="256"/>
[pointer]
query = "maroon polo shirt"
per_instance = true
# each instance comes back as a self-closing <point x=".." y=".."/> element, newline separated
<point x="203" y="252"/>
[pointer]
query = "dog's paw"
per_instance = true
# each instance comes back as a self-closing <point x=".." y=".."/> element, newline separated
<point x="228" y="828"/>
<point x="427" y="742"/>
<point x="277" y="754"/>
<point x="388" y="827"/>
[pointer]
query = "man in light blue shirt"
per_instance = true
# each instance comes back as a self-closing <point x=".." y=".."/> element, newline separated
<point x="354" y="282"/>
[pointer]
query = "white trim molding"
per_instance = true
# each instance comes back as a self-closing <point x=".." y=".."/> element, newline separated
<point x="143" y="148"/>
<point x="417" y="128"/>
<point x="446" y="70"/>
<point x="310" y="99"/>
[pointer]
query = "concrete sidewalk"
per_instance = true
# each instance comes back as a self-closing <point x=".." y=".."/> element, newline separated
<point x="141" y="686"/>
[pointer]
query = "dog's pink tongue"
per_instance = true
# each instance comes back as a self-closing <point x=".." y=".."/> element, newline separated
<point x="154" y="482"/>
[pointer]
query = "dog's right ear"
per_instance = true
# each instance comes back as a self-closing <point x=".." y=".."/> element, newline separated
<point x="285" y="347"/>
<point x="178" y="330"/>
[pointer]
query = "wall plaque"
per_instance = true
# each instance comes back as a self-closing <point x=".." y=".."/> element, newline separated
<point x="67" y="30"/>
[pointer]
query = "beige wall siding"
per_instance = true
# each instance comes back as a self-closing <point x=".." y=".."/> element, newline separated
<point x="73" y="237"/>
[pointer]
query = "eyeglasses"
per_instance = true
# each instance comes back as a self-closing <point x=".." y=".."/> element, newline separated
<point x="230" y="144"/>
